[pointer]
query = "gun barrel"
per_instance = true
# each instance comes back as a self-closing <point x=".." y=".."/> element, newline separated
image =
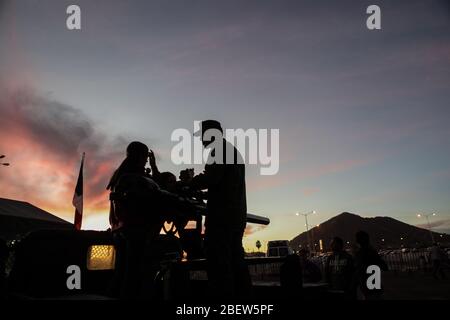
<point x="253" y="218"/>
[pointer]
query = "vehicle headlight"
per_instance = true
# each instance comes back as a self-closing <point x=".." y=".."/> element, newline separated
<point x="101" y="257"/>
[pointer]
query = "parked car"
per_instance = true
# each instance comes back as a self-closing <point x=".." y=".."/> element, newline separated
<point x="279" y="248"/>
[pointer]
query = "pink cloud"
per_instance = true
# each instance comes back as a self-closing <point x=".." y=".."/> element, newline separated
<point x="251" y="229"/>
<point x="310" y="191"/>
<point x="43" y="140"/>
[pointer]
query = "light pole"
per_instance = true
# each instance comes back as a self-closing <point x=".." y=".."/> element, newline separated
<point x="420" y="215"/>
<point x="307" y="227"/>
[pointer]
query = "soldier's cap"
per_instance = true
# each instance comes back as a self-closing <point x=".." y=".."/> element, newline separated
<point x="206" y="125"/>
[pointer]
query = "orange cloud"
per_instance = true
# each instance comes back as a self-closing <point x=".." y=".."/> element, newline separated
<point x="43" y="140"/>
<point x="251" y="229"/>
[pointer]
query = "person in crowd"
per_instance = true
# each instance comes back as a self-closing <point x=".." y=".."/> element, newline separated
<point x="366" y="256"/>
<point x="423" y="264"/>
<point x="311" y="272"/>
<point x="437" y="257"/>
<point x="291" y="277"/>
<point x="339" y="269"/>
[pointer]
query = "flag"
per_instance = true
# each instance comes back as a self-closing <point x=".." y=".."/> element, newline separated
<point x="78" y="197"/>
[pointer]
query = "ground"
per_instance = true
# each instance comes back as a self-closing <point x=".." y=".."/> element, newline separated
<point x="415" y="286"/>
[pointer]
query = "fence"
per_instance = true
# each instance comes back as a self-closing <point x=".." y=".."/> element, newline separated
<point x="263" y="269"/>
<point x="396" y="260"/>
<point x="407" y="261"/>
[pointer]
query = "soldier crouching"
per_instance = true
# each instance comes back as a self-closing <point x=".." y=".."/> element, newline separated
<point x="136" y="217"/>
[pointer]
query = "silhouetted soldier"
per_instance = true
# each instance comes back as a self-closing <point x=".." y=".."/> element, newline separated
<point x="339" y="269"/>
<point x="130" y="174"/>
<point x="366" y="256"/>
<point x="137" y="213"/>
<point x="225" y="222"/>
<point x="138" y="210"/>
<point x="128" y="223"/>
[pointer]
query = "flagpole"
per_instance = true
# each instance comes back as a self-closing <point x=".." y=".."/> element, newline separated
<point x="77" y="200"/>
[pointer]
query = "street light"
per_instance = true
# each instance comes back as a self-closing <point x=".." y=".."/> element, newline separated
<point x="307" y="226"/>
<point x="420" y="215"/>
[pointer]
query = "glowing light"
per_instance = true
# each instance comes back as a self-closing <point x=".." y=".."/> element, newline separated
<point x="101" y="257"/>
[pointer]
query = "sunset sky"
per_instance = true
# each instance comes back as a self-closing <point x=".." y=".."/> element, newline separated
<point x="363" y="115"/>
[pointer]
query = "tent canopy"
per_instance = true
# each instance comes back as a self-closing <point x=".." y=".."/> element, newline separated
<point x="18" y="218"/>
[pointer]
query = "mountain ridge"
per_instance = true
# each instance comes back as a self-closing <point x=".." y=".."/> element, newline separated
<point x="385" y="232"/>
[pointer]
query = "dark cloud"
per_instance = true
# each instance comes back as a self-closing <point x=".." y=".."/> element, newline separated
<point x="61" y="128"/>
<point x="45" y="138"/>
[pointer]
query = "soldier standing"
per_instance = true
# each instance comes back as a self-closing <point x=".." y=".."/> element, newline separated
<point x="225" y="223"/>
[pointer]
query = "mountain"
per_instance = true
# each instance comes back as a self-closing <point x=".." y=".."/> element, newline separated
<point x="384" y="232"/>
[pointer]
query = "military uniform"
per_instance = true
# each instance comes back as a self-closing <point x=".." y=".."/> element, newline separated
<point x="225" y="224"/>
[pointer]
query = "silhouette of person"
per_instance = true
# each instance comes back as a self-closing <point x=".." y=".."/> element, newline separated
<point x="228" y="274"/>
<point x="186" y="175"/>
<point x="311" y="272"/>
<point x="437" y="255"/>
<point x="291" y="278"/>
<point x="366" y="256"/>
<point x="339" y="269"/>
<point x="138" y="210"/>
<point x="135" y="221"/>
<point x="134" y="164"/>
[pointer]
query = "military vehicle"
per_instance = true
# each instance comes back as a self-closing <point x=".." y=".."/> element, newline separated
<point x="45" y="264"/>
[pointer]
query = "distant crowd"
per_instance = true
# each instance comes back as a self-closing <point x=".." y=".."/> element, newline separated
<point x="346" y="275"/>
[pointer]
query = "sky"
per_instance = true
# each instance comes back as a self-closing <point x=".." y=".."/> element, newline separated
<point x="363" y="115"/>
